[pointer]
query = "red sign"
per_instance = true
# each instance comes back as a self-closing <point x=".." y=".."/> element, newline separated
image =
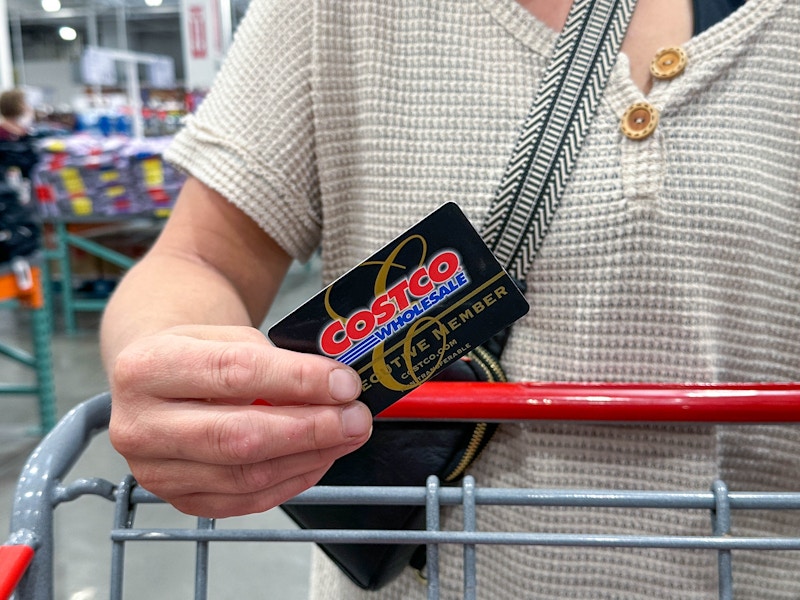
<point x="198" y="42"/>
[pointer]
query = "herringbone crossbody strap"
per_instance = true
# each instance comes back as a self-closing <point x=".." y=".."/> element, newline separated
<point x="554" y="130"/>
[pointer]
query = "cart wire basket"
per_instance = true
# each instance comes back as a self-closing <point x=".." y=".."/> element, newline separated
<point x="27" y="557"/>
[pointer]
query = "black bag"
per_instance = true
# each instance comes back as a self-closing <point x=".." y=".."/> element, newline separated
<point x="20" y="229"/>
<point x="420" y="450"/>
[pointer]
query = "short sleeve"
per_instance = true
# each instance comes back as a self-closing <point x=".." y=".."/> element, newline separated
<point x="252" y="138"/>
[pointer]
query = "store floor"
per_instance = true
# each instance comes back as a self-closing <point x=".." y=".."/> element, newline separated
<point x="153" y="570"/>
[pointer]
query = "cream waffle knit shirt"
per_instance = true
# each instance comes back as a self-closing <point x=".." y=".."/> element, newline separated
<point x="337" y="124"/>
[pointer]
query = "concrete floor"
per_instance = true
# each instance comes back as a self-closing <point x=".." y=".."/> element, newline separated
<point x="82" y="546"/>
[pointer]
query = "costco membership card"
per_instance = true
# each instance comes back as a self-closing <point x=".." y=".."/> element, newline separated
<point x="401" y="316"/>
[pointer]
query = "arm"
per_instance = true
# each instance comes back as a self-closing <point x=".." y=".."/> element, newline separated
<point x="185" y="364"/>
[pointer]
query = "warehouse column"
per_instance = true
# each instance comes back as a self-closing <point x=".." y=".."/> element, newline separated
<point x="6" y="63"/>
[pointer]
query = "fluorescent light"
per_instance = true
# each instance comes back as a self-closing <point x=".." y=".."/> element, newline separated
<point x="153" y="2"/>
<point x="51" y="5"/>
<point x="67" y="33"/>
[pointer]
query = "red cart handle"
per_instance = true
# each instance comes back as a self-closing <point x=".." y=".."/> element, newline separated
<point x="607" y="402"/>
<point x="14" y="561"/>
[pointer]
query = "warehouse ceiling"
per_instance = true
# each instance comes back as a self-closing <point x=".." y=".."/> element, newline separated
<point x="31" y="10"/>
<point x="72" y="12"/>
<point x="35" y="33"/>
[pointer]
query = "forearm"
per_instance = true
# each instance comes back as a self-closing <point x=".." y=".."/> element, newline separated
<point x="165" y="291"/>
<point x="211" y="265"/>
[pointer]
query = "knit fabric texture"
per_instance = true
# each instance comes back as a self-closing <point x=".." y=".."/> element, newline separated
<point x="337" y="125"/>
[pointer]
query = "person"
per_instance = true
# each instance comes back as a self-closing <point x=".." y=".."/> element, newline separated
<point x="20" y="227"/>
<point x="673" y="258"/>
<point x="17" y="145"/>
<point x="17" y="115"/>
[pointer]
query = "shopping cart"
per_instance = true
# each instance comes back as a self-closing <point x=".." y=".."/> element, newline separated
<point x="26" y="560"/>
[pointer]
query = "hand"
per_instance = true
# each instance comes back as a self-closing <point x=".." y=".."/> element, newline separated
<point x="182" y="416"/>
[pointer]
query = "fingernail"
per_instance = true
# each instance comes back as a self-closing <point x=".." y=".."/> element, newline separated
<point x="356" y="420"/>
<point x="343" y="385"/>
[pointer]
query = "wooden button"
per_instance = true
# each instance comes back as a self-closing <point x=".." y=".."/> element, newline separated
<point x="668" y="63"/>
<point x="639" y="121"/>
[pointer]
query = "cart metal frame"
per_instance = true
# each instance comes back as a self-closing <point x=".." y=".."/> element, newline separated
<point x="26" y="560"/>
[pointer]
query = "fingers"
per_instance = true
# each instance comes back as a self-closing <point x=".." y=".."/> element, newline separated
<point x="211" y="433"/>
<point x="220" y="460"/>
<point x="231" y="479"/>
<point x="216" y="366"/>
<point x="219" y="506"/>
<point x="229" y="489"/>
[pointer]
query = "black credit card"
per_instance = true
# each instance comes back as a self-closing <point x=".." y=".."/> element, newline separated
<point x="401" y="316"/>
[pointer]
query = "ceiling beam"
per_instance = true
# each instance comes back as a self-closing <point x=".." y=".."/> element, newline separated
<point x="34" y="17"/>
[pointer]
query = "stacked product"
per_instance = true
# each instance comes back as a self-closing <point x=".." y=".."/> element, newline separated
<point x="155" y="182"/>
<point x="90" y="176"/>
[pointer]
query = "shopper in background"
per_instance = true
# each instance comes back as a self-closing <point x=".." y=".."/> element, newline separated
<point x="671" y="258"/>
<point x="17" y="145"/>
<point x="17" y="115"/>
<point x="20" y="226"/>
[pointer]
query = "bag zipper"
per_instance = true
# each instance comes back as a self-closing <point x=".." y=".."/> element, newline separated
<point x="491" y="365"/>
<point x="494" y="372"/>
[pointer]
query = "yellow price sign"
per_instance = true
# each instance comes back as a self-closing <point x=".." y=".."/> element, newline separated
<point x="153" y="172"/>
<point x="115" y="191"/>
<point x="72" y="180"/>
<point x="82" y="206"/>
